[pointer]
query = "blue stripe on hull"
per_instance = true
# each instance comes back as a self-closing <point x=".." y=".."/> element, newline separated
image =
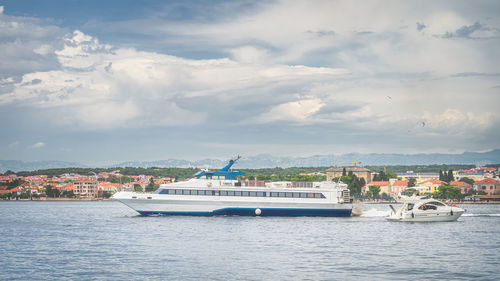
<point x="264" y="212"/>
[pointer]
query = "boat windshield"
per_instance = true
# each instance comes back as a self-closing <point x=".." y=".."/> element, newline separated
<point x="427" y="206"/>
<point x="436" y="203"/>
<point x="410" y="206"/>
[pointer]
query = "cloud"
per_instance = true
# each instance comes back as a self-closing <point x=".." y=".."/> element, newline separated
<point x="274" y="73"/>
<point x="298" y="111"/>
<point x="37" y="145"/>
<point x="100" y="86"/>
<point x="27" y="45"/>
<point x="14" y="144"/>
<point x="420" y="26"/>
<point x="474" y="31"/>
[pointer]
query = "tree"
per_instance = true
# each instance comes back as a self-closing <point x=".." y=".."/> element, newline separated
<point x="151" y="185"/>
<point x="373" y="191"/>
<point x="467" y="180"/>
<point x="441" y="176"/>
<point x="344" y="172"/>
<point x="409" y="191"/>
<point x="137" y="187"/>
<point x="448" y="192"/>
<point x="450" y="177"/>
<point x="68" y="194"/>
<point x="51" y="192"/>
<point x="385" y="197"/>
<point x="412" y="182"/>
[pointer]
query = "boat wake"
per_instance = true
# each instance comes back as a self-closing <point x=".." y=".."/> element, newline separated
<point x="481" y="215"/>
<point x="373" y="213"/>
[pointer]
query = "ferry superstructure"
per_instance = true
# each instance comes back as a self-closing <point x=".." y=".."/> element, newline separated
<point x="220" y="193"/>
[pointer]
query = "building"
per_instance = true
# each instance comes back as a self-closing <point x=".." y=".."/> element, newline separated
<point x="360" y="172"/>
<point x="490" y="186"/>
<point x="429" y="186"/>
<point x="464" y="187"/>
<point x="385" y="187"/>
<point x="85" y="188"/>
<point x="418" y="176"/>
<point x="398" y="186"/>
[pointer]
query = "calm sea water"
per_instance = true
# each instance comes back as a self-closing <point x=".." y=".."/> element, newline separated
<point x="108" y="241"/>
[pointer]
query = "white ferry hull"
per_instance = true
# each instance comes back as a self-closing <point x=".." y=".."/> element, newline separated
<point x="148" y="204"/>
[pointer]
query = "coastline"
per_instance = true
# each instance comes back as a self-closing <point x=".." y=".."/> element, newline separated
<point x="43" y="199"/>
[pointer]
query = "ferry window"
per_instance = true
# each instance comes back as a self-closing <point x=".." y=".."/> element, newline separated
<point x="261" y="194"/>
<point x="296" y="195"/>
<point x="223" y="193"/>
<point x="150" y="197"/>
<point x="310" y="195"/>
<point x="252" y="193"/>
<point x="317" y="195"/>
<point x="178" y="191"/>
<point x="289" y="194"/>
<point x="237" y="193"/>
<point x="194" y="192"/>
<point x="208" y="192"/>
<point x="282" y="194"/>
<point x="185" y="192"/>
<point x="230" y="193"/>
<point x="303" y="195"/>
<point x="274" y="194"/>
<point x="244" y="193"/>
<point x="201" y="192"/>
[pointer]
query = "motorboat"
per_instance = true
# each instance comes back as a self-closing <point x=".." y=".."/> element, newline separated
<point x="221" y="192"/>
<point x="424" y="209"/>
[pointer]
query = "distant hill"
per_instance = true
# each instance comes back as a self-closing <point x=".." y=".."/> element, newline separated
<point x="269" y="161"/>
<point x="17" y="165"/>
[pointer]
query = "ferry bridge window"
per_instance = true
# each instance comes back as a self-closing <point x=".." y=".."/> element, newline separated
<point x="317" y="195"/>
<point x="310" y="195"/>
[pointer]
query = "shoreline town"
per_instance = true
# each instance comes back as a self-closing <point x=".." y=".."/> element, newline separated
<point x="475" y="185"/>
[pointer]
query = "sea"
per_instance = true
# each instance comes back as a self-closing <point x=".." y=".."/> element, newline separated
<point x="105" y="240"/>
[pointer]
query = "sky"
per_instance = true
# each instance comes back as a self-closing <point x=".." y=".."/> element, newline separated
<point x="99" y="82"/>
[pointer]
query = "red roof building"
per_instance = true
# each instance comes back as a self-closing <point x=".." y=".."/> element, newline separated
<point x="464" y="187"/>
<point x="397" y="187"/>
<point x="489" y="186"/>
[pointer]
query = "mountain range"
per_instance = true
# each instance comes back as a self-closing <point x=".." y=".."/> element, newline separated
<point x="269" y="161"/>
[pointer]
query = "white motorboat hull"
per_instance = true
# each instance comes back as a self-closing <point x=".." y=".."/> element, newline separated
<point x="426" y="217"/>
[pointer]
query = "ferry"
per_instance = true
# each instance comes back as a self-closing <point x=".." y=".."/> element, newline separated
<point x="212" y="193"/>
